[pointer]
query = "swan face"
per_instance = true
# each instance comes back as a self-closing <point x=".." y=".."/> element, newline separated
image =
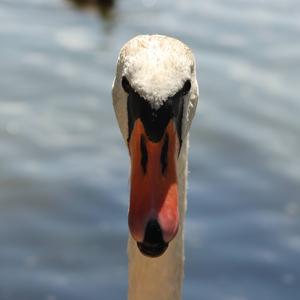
<point x="155" y="95"/>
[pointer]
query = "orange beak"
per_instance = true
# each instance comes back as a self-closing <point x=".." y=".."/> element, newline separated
<point x="154" y="188"/>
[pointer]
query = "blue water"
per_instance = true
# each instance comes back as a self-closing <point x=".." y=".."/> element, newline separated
<point x="64" y="168"/>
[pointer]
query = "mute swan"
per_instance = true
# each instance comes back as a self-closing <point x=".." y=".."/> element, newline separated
<point x="155" y="95"/>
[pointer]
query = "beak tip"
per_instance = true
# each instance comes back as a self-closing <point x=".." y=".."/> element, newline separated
<point x="152" y="250"/>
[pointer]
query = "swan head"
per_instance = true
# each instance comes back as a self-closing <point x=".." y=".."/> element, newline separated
<point x="155" y="95"/>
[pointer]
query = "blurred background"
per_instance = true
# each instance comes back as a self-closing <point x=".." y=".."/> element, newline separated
<point x="64" y="167"/>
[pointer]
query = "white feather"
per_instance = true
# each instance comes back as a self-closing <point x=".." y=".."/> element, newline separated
<point x="157" y="67"/>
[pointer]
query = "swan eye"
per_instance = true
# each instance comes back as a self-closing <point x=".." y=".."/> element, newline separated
<point x="186" y="87"/>
<point x="126" y="85"/>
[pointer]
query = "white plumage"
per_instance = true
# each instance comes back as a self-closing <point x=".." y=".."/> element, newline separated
<point x="157" y="67"/>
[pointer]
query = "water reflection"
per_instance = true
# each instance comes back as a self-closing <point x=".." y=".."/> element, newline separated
<point x="104" y="7"/>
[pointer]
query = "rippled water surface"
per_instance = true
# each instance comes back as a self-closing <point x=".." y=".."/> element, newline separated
<point x="64" y="168"/>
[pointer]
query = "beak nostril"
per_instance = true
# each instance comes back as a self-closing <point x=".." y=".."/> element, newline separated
<point x="164" y="155"/>
<point x="144" y="154"/>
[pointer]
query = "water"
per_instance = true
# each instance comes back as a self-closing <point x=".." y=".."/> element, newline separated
<point x="64" y="168"/>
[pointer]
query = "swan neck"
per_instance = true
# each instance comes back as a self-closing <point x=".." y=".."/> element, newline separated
<point x="161" y="278"/>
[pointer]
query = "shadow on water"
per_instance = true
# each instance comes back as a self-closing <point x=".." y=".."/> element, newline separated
<point x="104" y="7"/>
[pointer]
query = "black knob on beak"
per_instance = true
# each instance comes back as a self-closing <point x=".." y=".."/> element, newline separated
<point x="153" y="244"/>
